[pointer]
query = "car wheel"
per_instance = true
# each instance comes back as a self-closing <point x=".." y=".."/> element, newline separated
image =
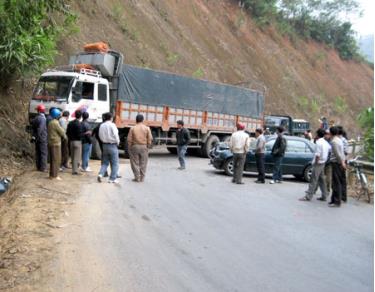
<point x="307" y="173"/>
<point x="228" y="167"/>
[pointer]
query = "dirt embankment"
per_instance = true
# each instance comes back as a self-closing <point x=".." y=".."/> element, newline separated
<point x="31" y="216"/>
<point x="16" y="150"/>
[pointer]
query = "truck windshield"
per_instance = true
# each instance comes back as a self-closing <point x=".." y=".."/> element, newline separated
<point x="53" y="88"/>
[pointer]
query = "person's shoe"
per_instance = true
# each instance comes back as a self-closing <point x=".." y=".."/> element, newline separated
<point x="181" y="168"/>
<point x="304" y="199"/>
<point x="100" y="178"/>
<point x="106" y="174"/>
<point x="240" y="183"/>
<point x="88" y="169"/>
<point x="333" y="205"/>
<point x="81" y="169"/>
<point x="61" y="169"/>
<point x="58" y="178"/>
<point x="119" y="176"/>
<point x="321" y="199"/>
<point x="260" y="182"/>
<point x="113" y="181"/>
<point x="136" y="180"/>
<point x="279" y="181"/>
<point x="76" y="173"/>
<point x="272" y="182"/>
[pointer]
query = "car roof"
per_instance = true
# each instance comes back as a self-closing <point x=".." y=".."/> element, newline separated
<point x="288" y="137"/>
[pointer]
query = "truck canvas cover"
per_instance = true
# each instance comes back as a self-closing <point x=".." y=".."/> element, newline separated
<point x="144" y="86"/>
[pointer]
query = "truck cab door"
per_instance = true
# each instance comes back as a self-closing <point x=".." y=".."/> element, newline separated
<point x="83" y="98"/>
<point x="103" y="105"/>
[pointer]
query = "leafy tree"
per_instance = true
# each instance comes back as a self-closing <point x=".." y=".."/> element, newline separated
<point x="321" y="20"/>
<point x="366" y="121"/>
<point x="262" y="10"/>
<point x="28" y="34"/>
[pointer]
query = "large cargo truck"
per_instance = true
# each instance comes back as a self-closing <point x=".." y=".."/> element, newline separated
<point x="98" y="82"/>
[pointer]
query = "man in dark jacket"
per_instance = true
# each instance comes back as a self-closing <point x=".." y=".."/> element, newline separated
<point x="39" y="132"/>
<point x="278" y="152"/>
<point x="74" y="133"/>
<point x="183" y="139"/>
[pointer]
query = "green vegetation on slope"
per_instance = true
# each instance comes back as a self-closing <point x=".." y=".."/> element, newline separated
<point x="366" y="121"/>
<point x="320" y="20"/>
<point x="29" y="31"/>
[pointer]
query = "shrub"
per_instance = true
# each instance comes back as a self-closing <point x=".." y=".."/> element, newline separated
<point x="29" y="31"/>
<point x="366" y="122"/>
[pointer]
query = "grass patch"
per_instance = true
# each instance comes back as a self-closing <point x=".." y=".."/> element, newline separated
<point x="199" y="73"/>
<point x="303" y="102"/>
<point x="118" y="16"/>
<point x="340" y="105"/>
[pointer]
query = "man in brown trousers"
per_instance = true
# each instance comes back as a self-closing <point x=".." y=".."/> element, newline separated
<point x="55" y="134"/>
<point x="139" y="140"/>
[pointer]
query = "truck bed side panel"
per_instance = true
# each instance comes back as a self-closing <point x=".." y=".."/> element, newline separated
<point x="155" y="88"/>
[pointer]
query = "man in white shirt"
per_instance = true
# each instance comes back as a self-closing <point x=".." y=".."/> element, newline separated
<point x="317" y="177"/>
<point x="239" y="145"/>
<point x="108" y="134"/>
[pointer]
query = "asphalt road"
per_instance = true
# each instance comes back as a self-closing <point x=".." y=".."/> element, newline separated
<point x="194" y="230"/>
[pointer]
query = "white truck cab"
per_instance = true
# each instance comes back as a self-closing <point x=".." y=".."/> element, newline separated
<point x="85" y="90"/>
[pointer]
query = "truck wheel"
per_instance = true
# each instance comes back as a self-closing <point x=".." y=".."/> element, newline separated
<point x="307" y="173"/>
<point x="172" y="150"/>
<point x="96" y="152"/>
<point x="228" y="166"/>
<point x="212" y="141"/>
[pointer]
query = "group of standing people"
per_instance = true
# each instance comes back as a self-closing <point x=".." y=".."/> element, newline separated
<point x="329" y="166"/>
<point x="139" y="141"/>
<point x="239" y="144"/>
<point x="56" y="139"/>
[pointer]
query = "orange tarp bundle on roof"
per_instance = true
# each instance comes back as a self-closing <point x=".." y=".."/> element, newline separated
<point x="101" y="47"/>
<point x="78" y="67"/>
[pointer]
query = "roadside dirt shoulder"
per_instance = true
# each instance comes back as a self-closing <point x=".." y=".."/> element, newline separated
<point x="31" y="217"/>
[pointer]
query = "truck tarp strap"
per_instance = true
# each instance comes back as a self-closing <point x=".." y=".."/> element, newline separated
<point x="144" y="86"/>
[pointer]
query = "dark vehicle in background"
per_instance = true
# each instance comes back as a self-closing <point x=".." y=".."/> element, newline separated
<point x="299" y="127"/>
<point x="294" y="127"/>
<point x="297" y="161"/>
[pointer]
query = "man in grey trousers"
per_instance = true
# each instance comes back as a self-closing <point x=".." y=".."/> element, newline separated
<point x="321" y="155"/>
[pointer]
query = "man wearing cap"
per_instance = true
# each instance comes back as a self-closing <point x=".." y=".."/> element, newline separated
<point x="239" y="145"/>
<point x="39" y="132"/>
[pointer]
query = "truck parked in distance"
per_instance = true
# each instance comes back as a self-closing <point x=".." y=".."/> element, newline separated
<point x="97" y="81"/>
<point x="294" y="127"/>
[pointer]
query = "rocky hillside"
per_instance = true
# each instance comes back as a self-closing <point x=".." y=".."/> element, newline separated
<point x="217" y="40"/>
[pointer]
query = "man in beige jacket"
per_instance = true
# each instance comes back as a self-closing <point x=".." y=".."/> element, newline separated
<point x="239" y="145"/>
<point x="139" y="140"/>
